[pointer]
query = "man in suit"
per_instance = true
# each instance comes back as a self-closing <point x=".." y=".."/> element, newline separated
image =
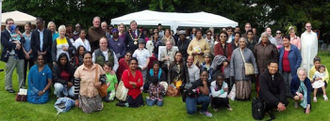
<point x="12" y="62"/>
<point x="132" y="37"/>
<point x="41" y="42"/>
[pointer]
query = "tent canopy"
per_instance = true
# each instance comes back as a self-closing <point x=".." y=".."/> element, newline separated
<point x="20" y="18"/>
<point x="175" y="20"/>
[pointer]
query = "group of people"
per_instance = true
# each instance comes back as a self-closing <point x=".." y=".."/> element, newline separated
<point x="202" y="68"/>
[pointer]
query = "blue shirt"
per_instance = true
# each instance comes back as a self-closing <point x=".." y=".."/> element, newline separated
<point x="27" y="44"/>
<point x="41" y="35"/>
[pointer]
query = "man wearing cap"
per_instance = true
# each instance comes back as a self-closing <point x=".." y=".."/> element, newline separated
<point x="132" y="37"/>
<point x="161" y="32"/>
<point x="117" y="44"/>
<point x="104" y="55"/>
<point x="15" y="48"/>
<point x="183" y="44"/>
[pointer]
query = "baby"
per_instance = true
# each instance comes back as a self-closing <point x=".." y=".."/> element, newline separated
<point x="15" y="38"/>
<point x="318" y="82"/>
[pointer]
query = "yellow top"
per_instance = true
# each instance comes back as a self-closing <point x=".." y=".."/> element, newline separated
<point x="312" y="72"/>
<point x="198" y="46"/>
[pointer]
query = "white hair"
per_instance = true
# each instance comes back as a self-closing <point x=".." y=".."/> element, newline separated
<point x="62" y="27"/>
<point x="264" y="34"/>
<point x="301" y="69"/>
<point x="243" y="38"/>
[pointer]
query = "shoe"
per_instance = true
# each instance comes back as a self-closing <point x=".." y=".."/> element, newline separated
<point x="11" y="91"/>
<point x="206" y="113"/>
<point x="215" y="109"/>
<point x="325" y="97"/>
<point x="120" y="104"/>
<point x="229" y="108"/>
<point x="296" y="104"/>
<point x="315" y="99"/>
<point x="271" y="115"/>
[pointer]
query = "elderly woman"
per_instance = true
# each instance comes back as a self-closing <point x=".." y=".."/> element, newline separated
<point x="124" y="64"/>
<point x="225" y="49"/>
<point x="295" y="40"/>
<point x="325" y="78"/>
<point x="197" y="47"/>
<point x="289" y="62"/>
<point x="264" y="51"/>
<point x="61" y="45"/>
<point x="39" y="80"/>
<point x="52" y="27"/>
<point x="301" y="88"/>
<point x="168" y="37"/>
<point x="183" y="44"/>
<point x="63" y="77"/>
<point x="239" y="57"/>
<point x="86" y="82"/>
<point x="133" y="81"/>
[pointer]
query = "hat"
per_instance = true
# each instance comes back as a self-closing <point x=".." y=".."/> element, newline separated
<point x="114" y="30"/>
<point x="12" y="28"/>
<point x="141" y="41"/>
<point x="182" y="32"/>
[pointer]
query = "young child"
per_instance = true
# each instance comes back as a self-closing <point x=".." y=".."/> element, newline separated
<point x="143" y="56"/>
<point x="319" y="83"/>
<point x="15" y="38"/>
<point x="156" y="92"/>
<point x="219" y="92"/>
<point x="111" y="82"/>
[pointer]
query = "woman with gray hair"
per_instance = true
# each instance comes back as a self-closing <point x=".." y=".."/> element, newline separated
<point x="301" y="90"/>
<point x="240" y="56"/>
<point x="264" y="51"/>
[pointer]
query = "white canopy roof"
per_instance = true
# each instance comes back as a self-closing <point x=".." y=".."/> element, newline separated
<point x="174" y="20"/>
<point x="20" y="18"/>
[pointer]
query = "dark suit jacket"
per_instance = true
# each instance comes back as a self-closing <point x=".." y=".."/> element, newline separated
<point x="47" y="44"/>
<point x="5" y="37"/>
<point x="130" y="46"/>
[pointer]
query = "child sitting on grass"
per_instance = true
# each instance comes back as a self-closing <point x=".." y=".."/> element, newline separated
<point x="111" y="82"/>
<point x="319" y="83"/>
<point x="156" y="92"/>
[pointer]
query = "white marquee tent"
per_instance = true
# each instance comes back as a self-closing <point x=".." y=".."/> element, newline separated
<point x="20" y="18"/>
<point x="175" y="20"/>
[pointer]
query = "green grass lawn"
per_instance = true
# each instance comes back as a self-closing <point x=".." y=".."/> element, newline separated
<point x="173" y="109"/>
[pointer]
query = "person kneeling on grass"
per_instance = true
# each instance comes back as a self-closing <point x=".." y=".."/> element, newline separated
<point x="198" y="94"/>
<point x="301" y="89"/>
<point x="156" y="92"/>
<point x="219" y="92"/>
<point x="272" y="89"/>
<point x="111" y="82"/>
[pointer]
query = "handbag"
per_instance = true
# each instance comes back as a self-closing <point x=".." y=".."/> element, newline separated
<point x="247" y="66"/>
<point x="232" y="94"/>
<point x="121" y="92"/>
<point x="103" y="88"/>
<point x="21" y="96"/>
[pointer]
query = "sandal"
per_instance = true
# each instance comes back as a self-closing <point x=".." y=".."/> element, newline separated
<point x="315" y="99"/>
<point x="325" y="97"/>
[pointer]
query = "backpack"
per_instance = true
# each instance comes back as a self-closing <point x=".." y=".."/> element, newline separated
<point x="258" y="108"/>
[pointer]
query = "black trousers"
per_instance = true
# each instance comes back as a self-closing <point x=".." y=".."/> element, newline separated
<point x="27" y="63"/>
<point x="137" y="102"/>
<point x="271" y="105"/>
<point x="217" y="102"/>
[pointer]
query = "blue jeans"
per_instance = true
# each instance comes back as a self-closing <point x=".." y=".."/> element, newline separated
<point x="151" y="102"/>
<point x="61" y="89"/>
<point x="191" y="103"/>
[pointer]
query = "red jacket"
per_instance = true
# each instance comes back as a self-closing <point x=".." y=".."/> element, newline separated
<point x="122" y="67"/>
<point x="218" y="50"/>
<point x="138" y="79"/>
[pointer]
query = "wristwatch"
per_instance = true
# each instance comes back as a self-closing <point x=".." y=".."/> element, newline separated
<point x="43" y="91"/>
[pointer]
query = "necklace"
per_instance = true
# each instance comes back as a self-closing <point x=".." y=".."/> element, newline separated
<point x="134" y="39"/>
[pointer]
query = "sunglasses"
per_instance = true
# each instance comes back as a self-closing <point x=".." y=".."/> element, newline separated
<point x="278" y="33"/>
